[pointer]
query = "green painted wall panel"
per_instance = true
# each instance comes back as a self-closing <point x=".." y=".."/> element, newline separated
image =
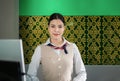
<point x="69" y="7"/>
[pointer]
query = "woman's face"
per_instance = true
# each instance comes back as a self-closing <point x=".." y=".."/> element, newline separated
<point x="56" y="29"/>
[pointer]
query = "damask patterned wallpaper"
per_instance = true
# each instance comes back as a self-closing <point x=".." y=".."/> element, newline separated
<point x="97" y="37"/>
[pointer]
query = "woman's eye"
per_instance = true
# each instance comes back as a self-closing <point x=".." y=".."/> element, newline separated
<point x="60" y="26"/>
<point x="52" y="26"/>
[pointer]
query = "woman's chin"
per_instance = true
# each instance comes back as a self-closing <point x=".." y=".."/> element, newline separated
<point x="57" y="38"/>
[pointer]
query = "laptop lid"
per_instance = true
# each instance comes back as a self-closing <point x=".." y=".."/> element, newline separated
<point x="12" y="50"/>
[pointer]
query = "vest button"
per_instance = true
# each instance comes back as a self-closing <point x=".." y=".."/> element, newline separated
<point x="59" y="67"/>
<point x="59" y="59"/>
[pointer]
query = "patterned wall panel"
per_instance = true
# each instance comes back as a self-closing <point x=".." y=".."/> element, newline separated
<point x="97" y="37"/>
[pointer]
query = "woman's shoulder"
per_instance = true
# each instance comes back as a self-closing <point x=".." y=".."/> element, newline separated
<point x="40" y="45"/>
<point x="71" y="43"/>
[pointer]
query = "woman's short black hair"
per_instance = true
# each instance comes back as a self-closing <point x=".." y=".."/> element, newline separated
<point x="56" y="16"/>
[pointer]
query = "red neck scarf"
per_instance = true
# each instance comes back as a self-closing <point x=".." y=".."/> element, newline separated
<point x="62" y="47"/>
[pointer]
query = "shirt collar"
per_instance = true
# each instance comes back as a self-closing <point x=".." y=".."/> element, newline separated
<point x="65" y="41"/>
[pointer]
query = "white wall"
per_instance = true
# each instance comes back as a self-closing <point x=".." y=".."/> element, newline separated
<point x="9" y="19"/>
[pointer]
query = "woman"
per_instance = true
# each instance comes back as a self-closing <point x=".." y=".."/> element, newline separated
<point x="59" y="58"/>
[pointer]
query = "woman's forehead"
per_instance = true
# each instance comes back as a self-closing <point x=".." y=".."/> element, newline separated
<point x="56" y="21"/>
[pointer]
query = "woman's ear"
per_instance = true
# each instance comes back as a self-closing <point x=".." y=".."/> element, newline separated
<point x="64" y="28"/>
<point x="48" y="25"/>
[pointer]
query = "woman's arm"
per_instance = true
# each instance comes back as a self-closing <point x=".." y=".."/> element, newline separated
<point x="79" y="68"/>
<point x="34" y="65"/>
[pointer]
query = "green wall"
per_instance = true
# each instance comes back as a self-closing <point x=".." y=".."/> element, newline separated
<point x="69" y="7"/>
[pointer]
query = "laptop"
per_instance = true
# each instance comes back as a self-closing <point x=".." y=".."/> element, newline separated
<point x="11" y="53"/>
<point x="10" y="71"/>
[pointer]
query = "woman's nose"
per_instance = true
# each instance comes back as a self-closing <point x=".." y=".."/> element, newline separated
<point x="56" y="29"/>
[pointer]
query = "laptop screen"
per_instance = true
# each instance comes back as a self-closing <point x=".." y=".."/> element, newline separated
<point x="10" y="71"/>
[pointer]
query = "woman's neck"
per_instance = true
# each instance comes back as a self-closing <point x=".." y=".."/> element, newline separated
<point x="57" y="42"/>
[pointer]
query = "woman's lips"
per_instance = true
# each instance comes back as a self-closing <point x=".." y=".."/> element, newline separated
<point x="56" y="34"/>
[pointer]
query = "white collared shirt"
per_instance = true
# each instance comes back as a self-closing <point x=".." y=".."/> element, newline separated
<point x="79" y="68"/>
